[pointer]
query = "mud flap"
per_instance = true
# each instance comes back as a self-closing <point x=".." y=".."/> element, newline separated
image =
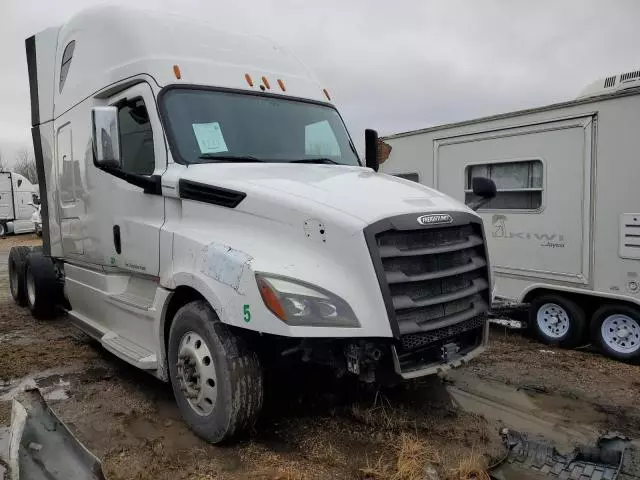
<point x="611" y="458"/>
<point x="41" y="447"/>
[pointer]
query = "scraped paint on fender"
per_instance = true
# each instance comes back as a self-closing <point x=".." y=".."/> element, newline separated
<point x="225" y="264"/>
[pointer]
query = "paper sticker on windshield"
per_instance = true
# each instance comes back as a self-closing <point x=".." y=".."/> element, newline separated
<point x="209" y="137"/>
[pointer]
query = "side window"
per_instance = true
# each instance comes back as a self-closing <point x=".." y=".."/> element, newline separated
<point x="519" y="184"/>
<point x="136" y="138"/>
<point x="319" y="140"/>
<point x="66" y="62"/>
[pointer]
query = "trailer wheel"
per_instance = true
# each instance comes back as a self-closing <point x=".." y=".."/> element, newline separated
<point x="3" y="229"/>
<point x="216" y="378"/>
<point x="557" y="320"/>
<point x="17" y="258"/>
<point x="616" y="328"/>
<point x="41" y="285"/>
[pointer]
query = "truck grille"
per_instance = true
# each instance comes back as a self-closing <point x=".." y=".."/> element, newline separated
<point x="435" y="279"/>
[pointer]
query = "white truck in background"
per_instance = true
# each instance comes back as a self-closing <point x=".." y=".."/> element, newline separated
<point x="17" y="204"/>
<point x="205" y="211"/>
<point x="564" y="228"/>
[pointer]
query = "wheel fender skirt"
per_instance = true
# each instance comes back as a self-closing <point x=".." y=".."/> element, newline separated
<point x="42" y="447"/>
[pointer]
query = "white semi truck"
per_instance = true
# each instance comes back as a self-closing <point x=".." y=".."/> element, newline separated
<point x="17" y="204"/>
<point x="204" y="209"/>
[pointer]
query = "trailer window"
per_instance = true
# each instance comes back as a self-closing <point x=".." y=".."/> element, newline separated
<point x="519" y="184"/>
<point x="136" y="138"/>
<point x="66" y="62"/>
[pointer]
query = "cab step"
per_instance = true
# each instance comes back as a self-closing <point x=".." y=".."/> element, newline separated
<point x="129" y="351"/>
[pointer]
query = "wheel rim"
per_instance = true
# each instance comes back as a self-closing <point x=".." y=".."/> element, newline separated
<point x="13" y="279"/>
<point x="621" y="333"/>
<point x="553" y="320"/>
<point x="196" y="373"/>
<point x="31" y="287"/>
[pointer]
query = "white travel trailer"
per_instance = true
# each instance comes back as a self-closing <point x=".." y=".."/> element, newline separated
<point x="17" y="203"/>
<point x="564" y="228"/>
<point x="204" y="211"/>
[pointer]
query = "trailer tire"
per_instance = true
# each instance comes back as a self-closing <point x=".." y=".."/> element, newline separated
<point x="3" y="229"/>
<point x="606" y="324"/>
<point x="557" y="320"/>
<point x="216" y="378"/>
<point x="42" y="287"/>
<point x="17" y="259"/>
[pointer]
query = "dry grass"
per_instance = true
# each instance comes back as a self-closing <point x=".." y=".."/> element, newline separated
<point x="413" y="454"/>
<point x="471" y="467"/>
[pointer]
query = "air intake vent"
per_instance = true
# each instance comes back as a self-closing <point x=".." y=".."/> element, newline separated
<point x="609" y="82"/>
<point x="209" y="194"/>
<point x="630" y="235"/>
<point x="625" y="77"/>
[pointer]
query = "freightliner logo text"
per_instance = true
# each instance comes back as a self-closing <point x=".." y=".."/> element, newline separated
<point x="435" y="219"/>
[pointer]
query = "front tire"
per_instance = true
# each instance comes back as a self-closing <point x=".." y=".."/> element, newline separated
<point x="216" y="379"/>
<point x="616" y="329"/>
<point x="557" y="320"/>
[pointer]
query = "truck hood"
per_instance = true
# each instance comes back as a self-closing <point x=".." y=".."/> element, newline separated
<point x="354" y="193"/>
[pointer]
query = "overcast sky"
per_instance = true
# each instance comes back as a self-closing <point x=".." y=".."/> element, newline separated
<point x="390" y="65"/>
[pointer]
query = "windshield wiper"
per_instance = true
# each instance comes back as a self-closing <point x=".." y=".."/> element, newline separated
<point x="229" y="158"/>
<point x="316" y="160"/>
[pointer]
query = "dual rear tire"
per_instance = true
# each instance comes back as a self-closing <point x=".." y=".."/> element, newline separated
<point x="33" y="281"/>
<point x="561" y="321"/>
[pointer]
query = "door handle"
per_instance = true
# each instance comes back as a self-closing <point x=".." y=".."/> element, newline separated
<point x="116" y="239"/>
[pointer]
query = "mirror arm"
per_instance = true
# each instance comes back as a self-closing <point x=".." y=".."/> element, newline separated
<point x="479" y="203"/>
<point x="151" y="184"/>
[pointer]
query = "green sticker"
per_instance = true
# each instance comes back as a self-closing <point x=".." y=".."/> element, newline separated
<point x="113" y="261"/>
<point x="247" y="313"/>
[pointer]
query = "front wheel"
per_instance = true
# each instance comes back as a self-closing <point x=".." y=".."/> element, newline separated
<point x="216" y="378"/>
<point x="616" y="328"/>
<point x="557" y="320"/>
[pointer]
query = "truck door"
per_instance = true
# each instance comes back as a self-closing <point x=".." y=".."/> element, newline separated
<point x="538" y="226"/>
<point x="135" y="217"/>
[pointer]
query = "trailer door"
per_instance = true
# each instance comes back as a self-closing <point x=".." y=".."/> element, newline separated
<point x="6" y="197"/>
<point x="538" y="226"/>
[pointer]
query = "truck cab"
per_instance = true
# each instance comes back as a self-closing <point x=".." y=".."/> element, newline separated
<point x="205" y="210"/>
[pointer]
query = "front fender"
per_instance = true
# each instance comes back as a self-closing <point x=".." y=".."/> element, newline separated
<point x="223" y="272"/>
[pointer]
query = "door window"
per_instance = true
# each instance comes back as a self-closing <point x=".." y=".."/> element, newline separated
<point x="136" y="138"/>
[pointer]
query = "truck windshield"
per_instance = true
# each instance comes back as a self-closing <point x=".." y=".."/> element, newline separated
<point x="214" y="126"/>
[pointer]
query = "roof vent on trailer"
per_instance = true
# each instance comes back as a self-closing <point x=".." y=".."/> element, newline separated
<point x="612" y="84"/>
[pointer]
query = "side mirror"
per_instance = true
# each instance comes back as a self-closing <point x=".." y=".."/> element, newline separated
<point x="371" y="148"/>
<point x="105" y="136"/>
<point x="482" y="187"/>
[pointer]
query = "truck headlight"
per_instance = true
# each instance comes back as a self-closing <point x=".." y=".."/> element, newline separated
<point x="301" y="304"/>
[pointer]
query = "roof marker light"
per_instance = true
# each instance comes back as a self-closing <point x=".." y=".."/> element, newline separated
<point x="249" y="80"/>
<point x="326" y="94"/>
<point x="176" y="72"/>
<point x="281" y="83"/>
<point x="266" y="82"/>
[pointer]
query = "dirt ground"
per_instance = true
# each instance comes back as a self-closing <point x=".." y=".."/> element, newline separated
<point x="313" y="426"/>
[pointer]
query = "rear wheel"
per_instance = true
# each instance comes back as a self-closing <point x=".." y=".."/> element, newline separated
<point x="3" y="229"/>
<point x="557" y="320"/>
<point x="42" y="287"/>
<point x="616" y="328"/>
<point x="17" y="258"/>
<point x="216" y="377"/>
